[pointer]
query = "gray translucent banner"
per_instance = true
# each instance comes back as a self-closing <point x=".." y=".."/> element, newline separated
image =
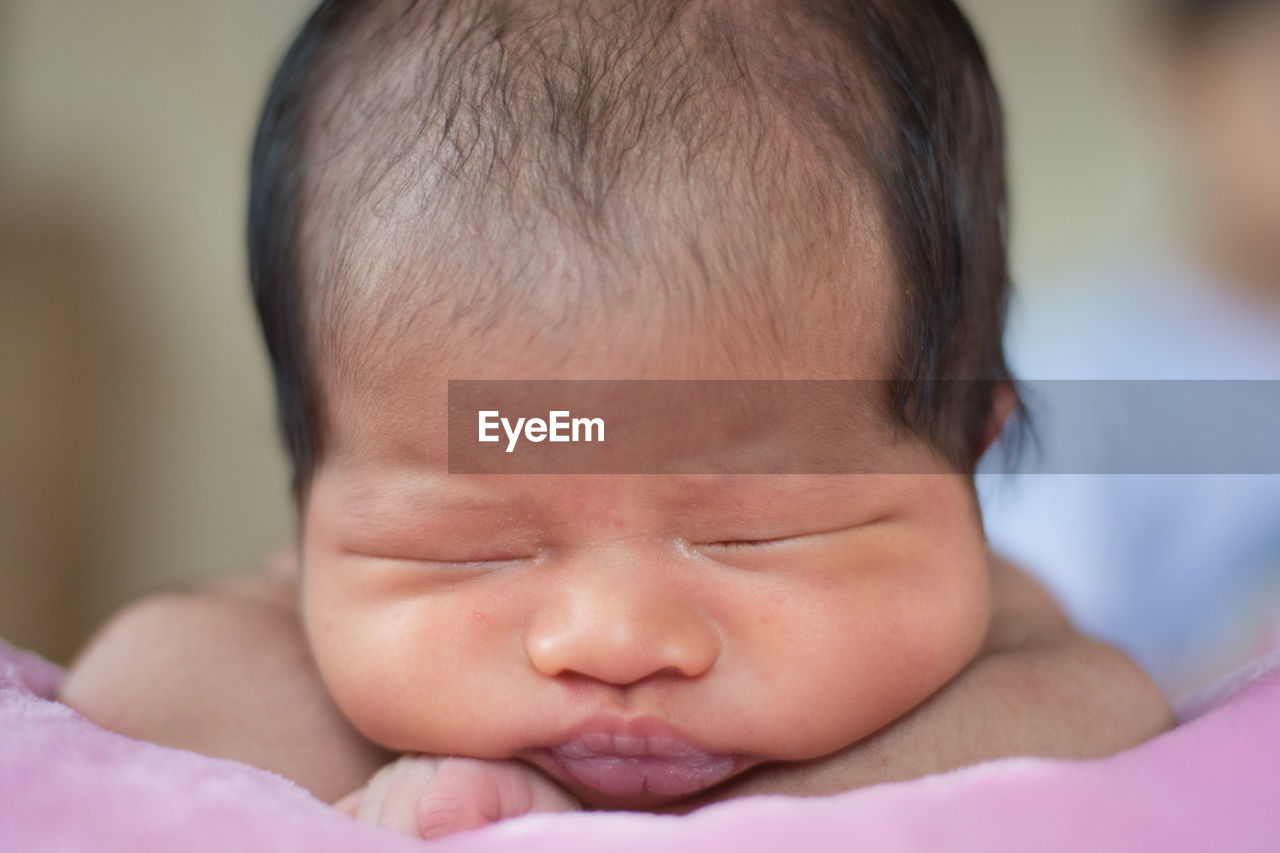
<point x="1145" y="427"/>
<point x="846" y="426"/>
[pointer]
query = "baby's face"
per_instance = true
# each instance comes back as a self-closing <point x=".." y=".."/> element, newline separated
<point x="639" y="638"/>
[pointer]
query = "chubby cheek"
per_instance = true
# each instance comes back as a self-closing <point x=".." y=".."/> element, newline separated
<point x="411" y="672"/>
<point x="906" y="615"/>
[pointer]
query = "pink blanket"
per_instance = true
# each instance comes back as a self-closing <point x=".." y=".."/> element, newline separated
<point x="1212" y="784"/>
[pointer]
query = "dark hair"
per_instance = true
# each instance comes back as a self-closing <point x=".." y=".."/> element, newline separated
<point x="893" y="96"/>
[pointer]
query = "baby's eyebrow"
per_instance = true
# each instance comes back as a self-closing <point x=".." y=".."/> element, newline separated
<point x="710" y="488"/>
<point x="369" y="505"/>
<point x="722" y="490"/>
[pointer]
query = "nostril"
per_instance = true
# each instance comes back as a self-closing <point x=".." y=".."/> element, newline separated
<point x="622" y="633"/>
<point x="666" y="673"/>
<point x="622" y="658"/>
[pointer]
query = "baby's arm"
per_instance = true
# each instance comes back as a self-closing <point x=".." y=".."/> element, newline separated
<point x="223" y="670"/>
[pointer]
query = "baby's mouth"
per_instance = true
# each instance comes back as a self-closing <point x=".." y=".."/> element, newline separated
<point x="632" y="758"/>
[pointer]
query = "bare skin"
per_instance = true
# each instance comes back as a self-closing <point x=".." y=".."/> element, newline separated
<point x="224" y="670"/>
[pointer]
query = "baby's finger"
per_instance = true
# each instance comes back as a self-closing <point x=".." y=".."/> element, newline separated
<point x="468" y="793"/>
<point x="350" y="804"/>
<point x="390" y="798"/>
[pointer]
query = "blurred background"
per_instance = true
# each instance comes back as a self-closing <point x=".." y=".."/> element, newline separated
<point x="137" y="442"/>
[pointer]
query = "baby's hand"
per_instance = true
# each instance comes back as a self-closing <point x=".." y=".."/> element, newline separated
<point x="432" y="797"/>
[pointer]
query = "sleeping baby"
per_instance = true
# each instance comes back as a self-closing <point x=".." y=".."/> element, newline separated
<point x="746" y="192"/>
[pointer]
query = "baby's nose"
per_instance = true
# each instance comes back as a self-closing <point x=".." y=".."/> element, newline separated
<point x="612" y="620"/>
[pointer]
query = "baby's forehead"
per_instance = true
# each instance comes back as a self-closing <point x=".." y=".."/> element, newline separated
<point x="819" y="296"/>
<point x="834" y="319"/>
<point x="723" y="392"/>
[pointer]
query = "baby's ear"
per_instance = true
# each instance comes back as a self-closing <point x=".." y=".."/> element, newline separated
<point x="1003" y="402"/>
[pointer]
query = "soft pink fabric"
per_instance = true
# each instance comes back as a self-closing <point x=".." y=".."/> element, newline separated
<point x="1211" y="785"/>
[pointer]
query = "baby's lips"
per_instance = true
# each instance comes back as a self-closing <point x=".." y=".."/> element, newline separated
<point x="626" y="776"/>
<point x="624" y="757"/>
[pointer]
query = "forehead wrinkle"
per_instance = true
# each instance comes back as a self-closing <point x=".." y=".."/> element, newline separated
<point x="432" y="305"/>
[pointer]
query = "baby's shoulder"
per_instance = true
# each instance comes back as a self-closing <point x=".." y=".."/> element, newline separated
<point x="222" y="669"/>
